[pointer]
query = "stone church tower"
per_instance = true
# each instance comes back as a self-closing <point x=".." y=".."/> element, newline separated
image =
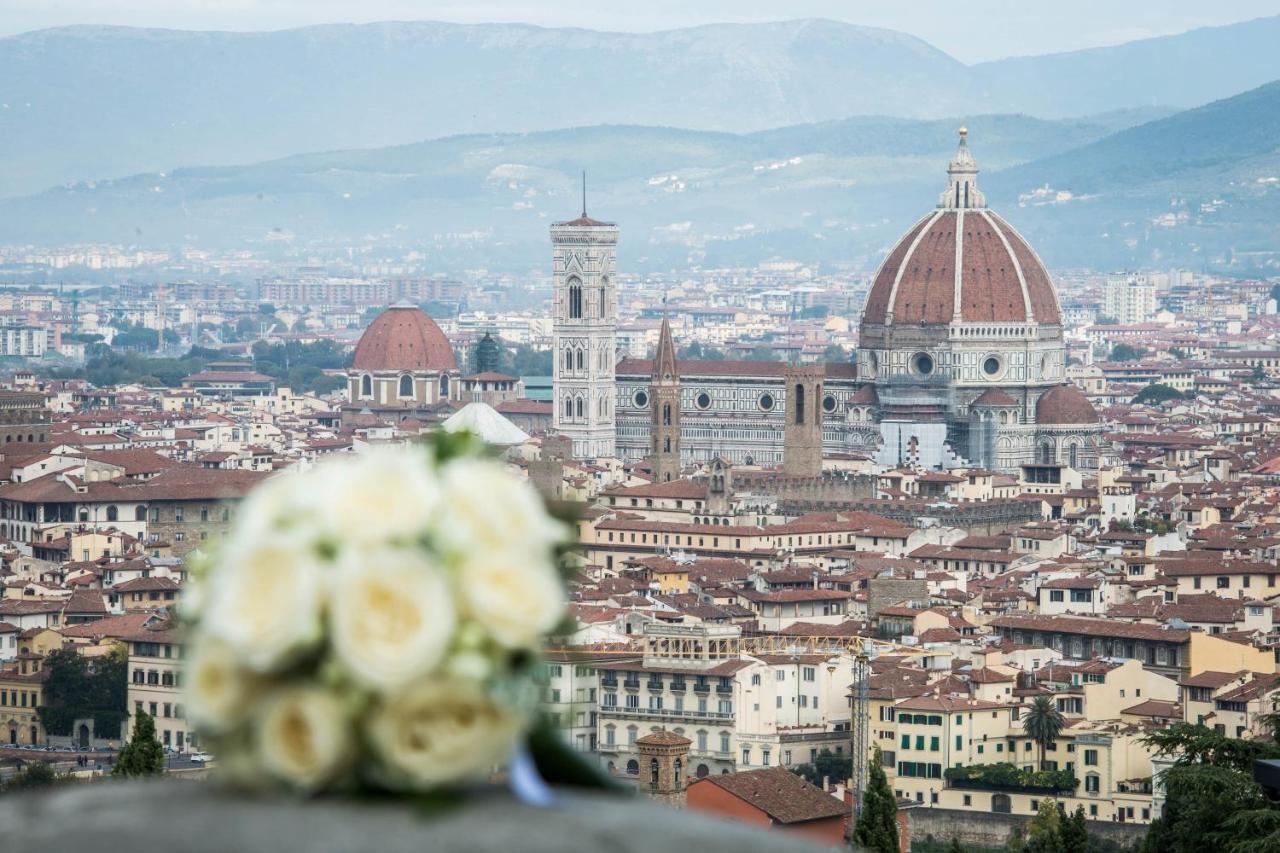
<point x="585" y="333"/>
<point x="665" y="407"/>
<point x="802" y="435"/>
<point x="664" y="758"/>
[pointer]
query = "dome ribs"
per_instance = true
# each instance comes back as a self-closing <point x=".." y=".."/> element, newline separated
<point x="992" y="290"/>
<point x="882" y="288"/>
<point x="403" y="338"/>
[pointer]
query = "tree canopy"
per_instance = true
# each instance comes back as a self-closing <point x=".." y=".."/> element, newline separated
<point x="1156" y="393"/>
<point x="76" y="689"/>
<point x="1042" y="723"/>
<point x="877" y="827"/>
<point x="142" y="755"/>
<point x="1127" y="352"/>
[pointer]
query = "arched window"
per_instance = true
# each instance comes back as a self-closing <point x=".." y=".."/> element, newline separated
<point x="83" y="515"/>
<point x="666" y="444"/>
<point x="1073" y="455"/>
<point x="703" y="771"/>
<point x="568" y="359"/>
<point x="139" y="513"/>
<point x="582" y="359"/>
<point x="1046" y="453"/>
<point x="113" y="514"/>
<point x="604" y="297"/>
<point x="678" y="767"/>
<point x="653" y="772"/>
<point x="666" y="414"/>
<point x="406" y="386"/>
<point x="444" y="386"/>
<point x="568" y="407"/>
<point x="366" y="386"/>
<point x="582" y="409"/>
<point x="799" y="407"/>
<point x="575" y="298"/>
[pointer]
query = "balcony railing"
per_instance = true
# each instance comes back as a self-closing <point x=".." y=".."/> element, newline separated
<point x="664" y="714"/>
<point x="608" y="682"/>
<point x="678" y="686"/>
<point x="654" y="684"/>
<point x="724" y="688"/>
<point x="701" y="688"/>
<point x="631" y="684"/>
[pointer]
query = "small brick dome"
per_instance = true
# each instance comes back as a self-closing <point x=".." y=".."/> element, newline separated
<point x="1066" y="404"/>
<point x="403" y="338"/>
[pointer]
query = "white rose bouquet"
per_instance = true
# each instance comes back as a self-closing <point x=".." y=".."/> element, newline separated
<point x="374" y="623"/>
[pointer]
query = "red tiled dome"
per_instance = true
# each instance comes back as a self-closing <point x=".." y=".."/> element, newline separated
<point x="403" y="338"/>
<point x="994" y="397"/>
<point x="1065" y="404"/>
<point x="1000" y="278"/>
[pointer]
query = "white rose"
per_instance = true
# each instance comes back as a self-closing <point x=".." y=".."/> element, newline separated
<point x="218" y="690"/>
<point x="441" y="732"/>
<point x="275" y="503"/>
<point x="376" y="497"/>
<point x="392" y="616"/>
<point x="265" y="599"/>
<point x="515" y="595"/>
<point x="487" y="507"/>
<point x="303" y="736"/>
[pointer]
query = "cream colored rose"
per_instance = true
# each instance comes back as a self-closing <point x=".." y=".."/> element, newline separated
<point x="515" y="595"/>
<point x="265" y="599"/>
<point x="283" y="500"/>
<point x="486" y="507"/>
<point x="304" y="736"/>
<point x="440" y="732"/>
<point x="218" y="689"/>
<point x="392" y="615"/>
<point x="376" y="497"/>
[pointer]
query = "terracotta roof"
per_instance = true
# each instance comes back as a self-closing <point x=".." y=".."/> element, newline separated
<point x="1065" y="404"/>
<point x="1000" y="278"/>
<point x="642" y="368"/>
<point x="403" y="338"/>
<point x="994" y="397"/>
<point x="779" y="793"/>
<point x="663" y="738"/>
<point x="1092" y="627"/>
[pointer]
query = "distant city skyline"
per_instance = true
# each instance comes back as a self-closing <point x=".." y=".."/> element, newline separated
<point x="971" y="32"/>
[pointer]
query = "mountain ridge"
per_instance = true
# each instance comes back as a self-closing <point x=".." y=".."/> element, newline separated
<point x="159" y="98"/>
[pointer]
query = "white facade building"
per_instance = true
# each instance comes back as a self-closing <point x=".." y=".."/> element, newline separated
<point x="1129" y="298"/>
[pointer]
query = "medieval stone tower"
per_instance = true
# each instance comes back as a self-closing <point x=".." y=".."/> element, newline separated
<point x="663" y="759"/>
<point x="665" y="407"/>
<point x="585" y="333"/>
<point x="802" y="435"/>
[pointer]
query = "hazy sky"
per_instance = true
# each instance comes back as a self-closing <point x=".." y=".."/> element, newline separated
<point x="970" y="30"/>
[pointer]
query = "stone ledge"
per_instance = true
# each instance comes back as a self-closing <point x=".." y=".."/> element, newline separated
<point x="161" y="817"/>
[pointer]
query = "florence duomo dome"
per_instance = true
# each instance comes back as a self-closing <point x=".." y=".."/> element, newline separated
<point x="961" y="336"/>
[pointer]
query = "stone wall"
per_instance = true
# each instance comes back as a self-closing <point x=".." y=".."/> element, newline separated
<point x="994" y="830"/>
<point x="212" y="820"/>
<point x="888" y="592"/>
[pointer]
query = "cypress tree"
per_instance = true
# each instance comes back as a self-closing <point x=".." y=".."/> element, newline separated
<point x="1075" y="834"/>
<point x="142" y="755"/>
<point x="877" y="827"/>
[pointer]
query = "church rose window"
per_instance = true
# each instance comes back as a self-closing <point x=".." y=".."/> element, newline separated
<point x="991" y="366"/>
<point x="641" y="399"/>
<point x="923" y="363"/>
<point x="703" y="400"/>
<point x="828" y="403"/>
<point x="766" y="402"/>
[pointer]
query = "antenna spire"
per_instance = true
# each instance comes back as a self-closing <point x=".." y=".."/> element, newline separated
<point x="584" y="193"/>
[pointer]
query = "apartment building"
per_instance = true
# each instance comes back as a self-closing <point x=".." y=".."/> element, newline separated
<point x="740" y="710"/>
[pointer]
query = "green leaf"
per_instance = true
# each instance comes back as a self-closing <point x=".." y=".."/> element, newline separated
<point x="561" y="765"/>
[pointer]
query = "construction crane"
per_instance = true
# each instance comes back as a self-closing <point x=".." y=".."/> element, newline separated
<point x="863" y="650"/>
